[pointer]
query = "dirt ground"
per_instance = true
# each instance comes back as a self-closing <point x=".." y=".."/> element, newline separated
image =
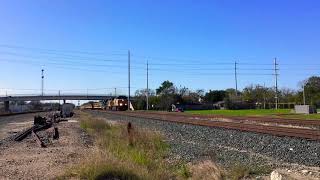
<point x="9" y="125"/>
<point x="26" y="160"/>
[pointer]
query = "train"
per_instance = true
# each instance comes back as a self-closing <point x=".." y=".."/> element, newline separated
<point x="67" y="110"/>
<point x="119" y="103"/>
<point x="92" y="105"/>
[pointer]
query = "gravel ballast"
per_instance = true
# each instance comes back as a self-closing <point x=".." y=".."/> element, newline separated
<point x="227" y="147"/>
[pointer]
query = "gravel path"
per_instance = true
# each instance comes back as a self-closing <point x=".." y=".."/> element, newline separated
<point x="227" y="147"/>
<point x="25" y="160"/>
<point x="14" y="123"/>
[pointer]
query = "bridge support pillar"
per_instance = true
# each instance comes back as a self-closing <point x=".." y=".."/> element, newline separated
<point x="6" y="106"/>
<point x="64" y="101"/>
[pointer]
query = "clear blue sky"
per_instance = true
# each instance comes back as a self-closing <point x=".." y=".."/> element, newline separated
<point x="90" y="40"/>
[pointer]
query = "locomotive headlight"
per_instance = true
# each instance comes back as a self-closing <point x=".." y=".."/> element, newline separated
<point x="120" y="104"/>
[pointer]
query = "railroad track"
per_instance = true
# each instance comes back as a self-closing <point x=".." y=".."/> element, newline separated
<point x="311" y="134"/>
<point x="284" y="121"/>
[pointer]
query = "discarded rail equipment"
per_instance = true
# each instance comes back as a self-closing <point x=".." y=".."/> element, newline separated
<point x="41" y="123"/>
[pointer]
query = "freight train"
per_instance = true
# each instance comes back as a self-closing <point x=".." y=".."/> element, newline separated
<point x="92" y="105"/>
<point x="118" y="104"/>
<point x="67" y="110"/>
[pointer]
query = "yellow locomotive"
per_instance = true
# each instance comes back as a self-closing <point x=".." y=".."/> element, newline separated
<point x="118" y="104"/>
<point x="92" y="105"/>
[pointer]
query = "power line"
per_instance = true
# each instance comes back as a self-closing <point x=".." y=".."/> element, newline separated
<point x="206" y="69"/>
<point x="77" y="58"/>
<point x="194" y="60"/>
<point x="295" y="64"/>
<point x="190" y="64"/>
<point x="189" y="69"/>
<point x="72" y="63"/>
<point x="185" y="71"/>
<point x="81" y="58"/>
<point x="58" y="51"/>
<point x="227" y="74"/>
<point x="182" y="68"/>
<point x="90" y="89"/>
<point x="256" y="64"/>
<point x="63" y="66"/>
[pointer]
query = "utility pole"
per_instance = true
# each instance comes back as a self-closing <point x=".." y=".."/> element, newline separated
<point x="235" y="77"/>
<point x="129" y="80"/>
<point x="59" y="101"/>
<point x="304" y="94"/>
<point x="264" y="95"/>
<point x="147" y="85"/>
<point x="115" y="92"/>
<point x="42" y="79"/>
<point x="276" y="80"/>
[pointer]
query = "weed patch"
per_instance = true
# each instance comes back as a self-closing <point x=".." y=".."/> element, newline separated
<point x="122" y="154"/>
<point x="242" y="171"/>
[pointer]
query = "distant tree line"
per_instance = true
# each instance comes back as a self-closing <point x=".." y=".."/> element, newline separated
<point x="252" y="96"/>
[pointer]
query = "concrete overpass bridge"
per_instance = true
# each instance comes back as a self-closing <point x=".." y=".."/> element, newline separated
<point x="7" y="99"/>
<point x="54" y="97"/>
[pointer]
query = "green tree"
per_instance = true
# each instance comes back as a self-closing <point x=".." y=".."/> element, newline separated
<point x="140" y="102"/>
<point x="214" y="96"/>
<point x="232" y="92"/>
<point x="167" y="94"/>
<point x="154" y="102"/>
<point x="312" y="91"/>
<point x="259" y="96"/>
<point x="166" y="87"/>
<point x="193" y="97"/>
<point x="287" y="95"/>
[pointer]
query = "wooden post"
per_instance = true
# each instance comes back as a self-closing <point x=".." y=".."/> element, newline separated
<point x="130" y="133"/>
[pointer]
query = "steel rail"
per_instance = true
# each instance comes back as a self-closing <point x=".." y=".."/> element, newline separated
<point x="286" y="121"/>
<point x="311" y="134"/>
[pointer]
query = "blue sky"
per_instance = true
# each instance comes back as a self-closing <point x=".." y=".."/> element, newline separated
<point x="83" y="44"/>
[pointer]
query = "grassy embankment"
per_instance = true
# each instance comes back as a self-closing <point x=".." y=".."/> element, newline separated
<point x="140" y="155"/>
<point x="119" y="154"/>
<point x="280" y="113"/>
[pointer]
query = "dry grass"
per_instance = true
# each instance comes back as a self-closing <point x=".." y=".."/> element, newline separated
<point x="100" y="164"/>
<point x="240" y="171"/>
<point x="206" y="170"/>
<point x="139" y="154"/>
